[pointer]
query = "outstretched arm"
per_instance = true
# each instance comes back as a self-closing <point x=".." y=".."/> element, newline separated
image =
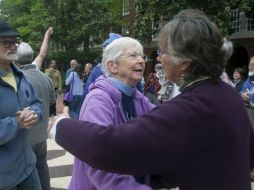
<point x="44" y="48"/>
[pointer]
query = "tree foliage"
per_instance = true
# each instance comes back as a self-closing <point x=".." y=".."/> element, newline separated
<point x="151" y="13"/>
<point x="75" y="22"/>
<point x="29" y="17"/>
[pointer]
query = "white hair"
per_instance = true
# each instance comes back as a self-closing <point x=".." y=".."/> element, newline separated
<point x="25" y="53"/>
<point x="228" y="48"/>
<point x="115" y="49"/>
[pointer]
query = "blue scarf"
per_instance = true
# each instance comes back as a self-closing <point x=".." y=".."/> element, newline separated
<point x="127" y="98"/>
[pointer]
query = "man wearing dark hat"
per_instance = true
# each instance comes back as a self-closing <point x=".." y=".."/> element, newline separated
<point x="19" y="111"/>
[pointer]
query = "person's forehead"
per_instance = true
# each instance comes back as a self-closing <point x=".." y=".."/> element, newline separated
<point x="133" y="49"/>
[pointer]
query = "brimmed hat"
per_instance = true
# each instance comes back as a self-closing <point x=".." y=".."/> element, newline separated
<point x="7" y="30"/>
<point x="112" y="37"/>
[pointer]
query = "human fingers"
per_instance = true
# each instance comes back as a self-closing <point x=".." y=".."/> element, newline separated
<point x="31" y="116"/>
<point x="66" y="111"/>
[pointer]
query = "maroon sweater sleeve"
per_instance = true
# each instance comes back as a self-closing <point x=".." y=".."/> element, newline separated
<point x="132" y="148"/>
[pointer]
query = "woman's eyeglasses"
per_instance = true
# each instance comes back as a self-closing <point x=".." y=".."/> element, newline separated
<point x="136" y="55"/>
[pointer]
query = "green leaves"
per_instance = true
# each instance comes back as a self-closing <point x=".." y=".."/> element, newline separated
<point x="75" y="22"/>
<point x="150" y="12"/>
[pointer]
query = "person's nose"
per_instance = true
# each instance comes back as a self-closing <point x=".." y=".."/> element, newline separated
<point x="13" y="47"/>
<point x="140" y="59"/>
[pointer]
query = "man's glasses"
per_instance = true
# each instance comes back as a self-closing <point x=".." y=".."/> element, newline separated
<point x="8" y="44"/>
<point x="136" y="55"/>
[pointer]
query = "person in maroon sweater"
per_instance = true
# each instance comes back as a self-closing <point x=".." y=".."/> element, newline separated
<point x="201" y="139"/>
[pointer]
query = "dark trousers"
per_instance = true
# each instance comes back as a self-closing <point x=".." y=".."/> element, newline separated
<point x="31" y="182"/>
<point x="75" y="106"/>
<point x="250" y="112"/>
<point x="52" y="108"/>
<point x="40" y="150"/>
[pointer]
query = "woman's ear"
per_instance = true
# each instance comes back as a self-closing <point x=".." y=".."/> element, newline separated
<point x="112" y="67"/>
<point x="185" y="65"/>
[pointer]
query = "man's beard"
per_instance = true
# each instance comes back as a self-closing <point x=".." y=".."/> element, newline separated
<point x="251" y="73"/>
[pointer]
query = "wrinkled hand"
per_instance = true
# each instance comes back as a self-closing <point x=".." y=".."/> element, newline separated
<point x="55" y="120"/>
<point x="26" y="118"/>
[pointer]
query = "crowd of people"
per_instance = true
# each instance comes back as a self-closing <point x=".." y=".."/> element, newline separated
<point x="173" y="131"/>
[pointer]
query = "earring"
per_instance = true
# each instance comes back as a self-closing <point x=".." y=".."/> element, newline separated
<point x="182" y="77"/>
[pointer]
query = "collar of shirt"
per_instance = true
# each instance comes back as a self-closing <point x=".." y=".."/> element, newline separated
<point x="4" y="73"/>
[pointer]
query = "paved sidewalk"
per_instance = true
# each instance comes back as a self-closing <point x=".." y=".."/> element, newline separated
<point x="60" y="166"/>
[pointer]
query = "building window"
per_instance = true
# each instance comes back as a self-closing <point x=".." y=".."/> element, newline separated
<point x="250" y="25"/>
<point x="126" y="7"/>
<point x="240" y="22"/>
<point x="235" y="20"/>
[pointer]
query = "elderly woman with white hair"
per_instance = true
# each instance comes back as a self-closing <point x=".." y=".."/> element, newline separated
<point x="113" y="99"/>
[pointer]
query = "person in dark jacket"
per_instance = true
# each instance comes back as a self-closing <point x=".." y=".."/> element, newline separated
<point x="190" y="142"/>
<point x="238" y="77"/>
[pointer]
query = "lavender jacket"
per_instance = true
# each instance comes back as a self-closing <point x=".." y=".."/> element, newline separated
<point x="103" y="106"/>
<point x="201" y="139"/>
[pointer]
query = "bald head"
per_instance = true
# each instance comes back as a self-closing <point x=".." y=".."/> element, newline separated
<point x="73" y="64"/>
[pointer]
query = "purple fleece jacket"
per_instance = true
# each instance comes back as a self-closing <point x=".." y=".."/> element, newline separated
<point x="103" y="106"/>
<point x="201" y="139"/>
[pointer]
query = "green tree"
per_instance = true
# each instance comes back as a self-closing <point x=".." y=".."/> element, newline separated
<point x="151" y="12"/>
<point x="81" y="22"/>
<point x="75" y="22"/>
<point x="29" y="17"/>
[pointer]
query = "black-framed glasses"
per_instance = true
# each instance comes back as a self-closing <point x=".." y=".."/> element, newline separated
<point x="8" y="43"/>
<point x="136" y="55"/>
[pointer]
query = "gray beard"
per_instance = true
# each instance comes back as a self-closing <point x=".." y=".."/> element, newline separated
<point x="251" y="73"/>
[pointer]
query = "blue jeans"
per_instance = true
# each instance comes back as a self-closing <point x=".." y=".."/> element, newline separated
<point x="31" y="182"/>
<point x="75" y="106"/>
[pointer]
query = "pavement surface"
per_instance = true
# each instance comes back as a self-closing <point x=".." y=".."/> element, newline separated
<point x="60" y="166"/>
<point x="59" y="161"/>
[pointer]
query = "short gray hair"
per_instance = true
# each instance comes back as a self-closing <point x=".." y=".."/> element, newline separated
<point x="112" y="52"/>
<point x="191" y="36"/>
<point x="25" y="53"/>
